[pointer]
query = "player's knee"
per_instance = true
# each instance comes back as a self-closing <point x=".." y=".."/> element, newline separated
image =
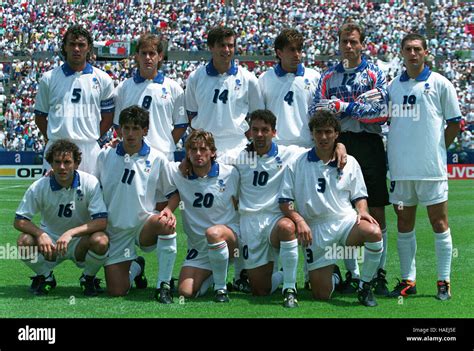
<point x="186" y="292"/>
<point x="375" y="233"/>
<point x="117" y="291"/>
<point x="440" y="225"/>
<point x="99" y="243"/>
<point x="322" y="294"/>
<point x="25" y="240"/>
<point x="287" y="230"/>
<point x="212" y="235"/>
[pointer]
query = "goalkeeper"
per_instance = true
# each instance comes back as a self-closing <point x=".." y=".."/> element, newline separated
<point x="356" y="91"/>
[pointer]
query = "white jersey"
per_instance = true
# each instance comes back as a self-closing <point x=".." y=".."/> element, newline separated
<point x="419" y="109"/>
<point x="320" y="190"/>
<point x="164" y="98"/>
<point x="73" y="102"/>
<point x="131" y="185"/>
<point x="288" y="96"/>
<point x="261" y="177"/>
<point x="61" y="208"/>
<point x="205" y="201"/>
<point x="219" y="103"/>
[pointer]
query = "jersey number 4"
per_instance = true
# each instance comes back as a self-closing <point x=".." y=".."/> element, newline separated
<point x="289" y="98"/>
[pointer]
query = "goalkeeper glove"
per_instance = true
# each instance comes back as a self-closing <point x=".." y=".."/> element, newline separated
<point x="335" y="106"/>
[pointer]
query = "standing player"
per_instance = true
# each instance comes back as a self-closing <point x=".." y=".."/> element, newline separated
<point x="288" y="90"/>
<point x="356" y="91"/>
<point x="75" y="101"/>
<point x="131" y="175"/>
<point x="221" y="94"/>
<point x="422" y="103"/>
<point x="263" y="228"/>
<point x="210" y="219"/>
<point x="150" y="89"/>
<point x="326" y="218"/>
<point x="73" y="221"/>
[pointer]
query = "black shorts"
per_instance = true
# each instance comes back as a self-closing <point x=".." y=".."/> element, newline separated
<point x="368" y="150"/>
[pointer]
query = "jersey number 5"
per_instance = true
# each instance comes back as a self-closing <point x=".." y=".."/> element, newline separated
<point x="76" y="95"/>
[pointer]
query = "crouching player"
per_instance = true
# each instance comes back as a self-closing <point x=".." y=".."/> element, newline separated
<point x="207" y="201"/>
<point x="325" y="216"/>
<point x="73" y="221"/>
<point x="130" y="175"/>
<point x="264" y="231"/>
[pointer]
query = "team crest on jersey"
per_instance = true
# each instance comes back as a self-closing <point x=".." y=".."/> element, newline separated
<point x="147" y="166"/>
<point x="279" y="162"/>
<point x="307" y="84"/>
<point x="238" y="84"/>
<point x="221" y="184"/>
<point x="79" y="195"/>
<point x="95" y="84"/>
<point x="164" y="93"/>
<point x="427" y="88"/>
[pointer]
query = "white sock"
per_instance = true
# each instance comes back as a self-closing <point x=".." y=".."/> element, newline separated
<point x="383" y="258"/>
<point x="277" y="280"/>
<point x="94" y="262"/>
<point x="166" y="252"/>
<point x="205" y="286"/>
<point x="38" y="264"/>
<point x="353" y="267"/>
<point x="335" y="281"/>
<point x="406" y="245"/>
<point x="289" y="262"/>
<point x="372" y="253"/>
<point x="276" y="259"/>
<point x="135" y="270"/>
<point x="444" y="251"/>
<point x="219" y="259"/>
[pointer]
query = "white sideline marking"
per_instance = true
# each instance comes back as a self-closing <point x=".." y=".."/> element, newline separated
<point x="11" y="187"/>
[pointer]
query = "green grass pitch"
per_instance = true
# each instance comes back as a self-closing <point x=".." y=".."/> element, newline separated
<point x="67" y="300"/>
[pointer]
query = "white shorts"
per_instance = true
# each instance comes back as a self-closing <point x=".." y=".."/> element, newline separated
<point x="255" y="231"/>
<point x="90" y="152"/>
<point x="197" y="255"/>
<point x="414" y="192"/>
<point x="123" y="244"/>
<point x="326" y="236"/>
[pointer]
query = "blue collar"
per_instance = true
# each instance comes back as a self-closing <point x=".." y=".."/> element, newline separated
<point x="273" y="150"/>
<point x="340" y="67"/>
<point x="280" y="72"/>
<point x="212" y="71"/>
<point x="424" y="75"/>
<point x="312" y="157"/>
<point x="55" y="186"/>
<point x="214" y="171"/>
<point x="68" y="71"/>
<point x="137" y="78"/>
<point x="145" y="150"/>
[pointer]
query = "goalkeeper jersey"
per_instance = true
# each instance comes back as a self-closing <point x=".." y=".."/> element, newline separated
<point x="347" y="84"/>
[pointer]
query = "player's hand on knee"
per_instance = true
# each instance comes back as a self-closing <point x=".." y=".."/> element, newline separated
<point x="46" y="246"/>
<point x="367" y="217"/>
<point x="62" y="243"/>
<point x="168" y="219"/>
<point x="303" y="233"/>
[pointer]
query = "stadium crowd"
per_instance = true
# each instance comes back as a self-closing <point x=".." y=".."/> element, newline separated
<point x="28" y="28"/>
